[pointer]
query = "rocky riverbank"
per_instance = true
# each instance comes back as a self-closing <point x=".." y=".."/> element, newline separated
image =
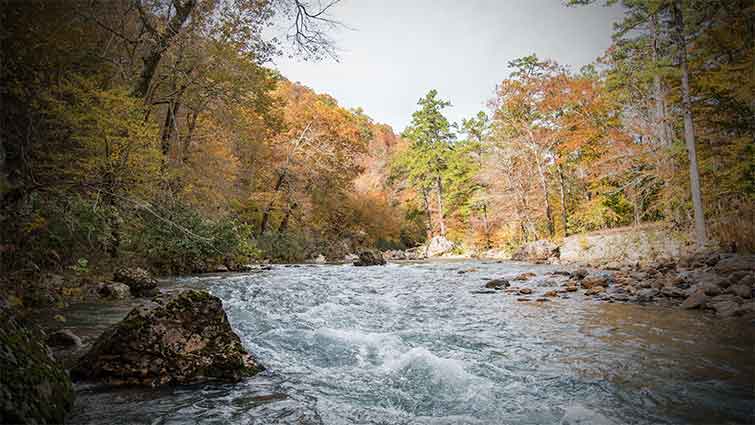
<point x="170" y="337"/>
<point x="184" y="337"/>
<point x="723" y="284"/>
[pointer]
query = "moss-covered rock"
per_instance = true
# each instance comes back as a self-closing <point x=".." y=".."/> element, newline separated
<point x="34" y="387"/>
<point x="178" y="338"/>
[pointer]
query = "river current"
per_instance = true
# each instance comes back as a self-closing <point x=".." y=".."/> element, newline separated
<point x="413" y="343"/>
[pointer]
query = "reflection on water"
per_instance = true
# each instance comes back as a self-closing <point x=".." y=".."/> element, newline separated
<point x="411" y="343"/>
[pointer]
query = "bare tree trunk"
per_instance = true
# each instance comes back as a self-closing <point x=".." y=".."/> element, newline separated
<point x="689" y="129"/>
<point x="439" y="186"/>
<point x="661" y="126"/>
<point x="564" y="214"/>
<point x="546" y="196"/>
<point x="428" y="213"/>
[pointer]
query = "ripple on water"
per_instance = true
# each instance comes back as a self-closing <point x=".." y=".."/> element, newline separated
<point x="410" y="344"/>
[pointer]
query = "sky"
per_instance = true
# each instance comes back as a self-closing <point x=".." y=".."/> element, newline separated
<point x="391" y="52"/>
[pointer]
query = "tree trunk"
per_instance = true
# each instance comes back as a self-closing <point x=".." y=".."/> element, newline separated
<point x="284" y="223"/>
<point x="187" y="140"/>
<point x="439" y="187"/>
<point x="564" y="214"/>
<point x="162" y="41"/>
<point x="269" y="208"/>
<point x="168" y="126"/>
<point x="486" y="225"/>
<point x="428" y="213"/>
<point x="527" y="226"/>
<point x="547" y="202"/>
<point x="689" y="129"/>
<point x="661" y="127"/>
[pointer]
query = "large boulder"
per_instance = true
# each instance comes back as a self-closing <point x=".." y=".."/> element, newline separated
<point x="541" y="250"/>
<point x="438" y="246"/>
<point x="177" y="338"/>
<point x="139" y="281"/>
<point x="370" y="257"/>
<point x="35" y="388"/>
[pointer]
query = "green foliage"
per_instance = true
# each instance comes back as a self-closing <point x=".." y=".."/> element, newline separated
<point x="598" y="213"/>
<point x="81" y="266"/>
<point x="286" y="247"/>
<point x="431" y="138"/>
<point x="48" y="230"/>
<point x="181" y="240"/>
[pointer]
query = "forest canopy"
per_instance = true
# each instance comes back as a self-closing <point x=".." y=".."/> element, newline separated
<point x="154" y="132"/>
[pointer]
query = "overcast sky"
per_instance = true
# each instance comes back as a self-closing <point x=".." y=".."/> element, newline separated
<point x="394" y="51"/>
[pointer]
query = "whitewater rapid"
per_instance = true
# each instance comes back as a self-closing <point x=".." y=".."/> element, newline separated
<point x="413" y="344"/>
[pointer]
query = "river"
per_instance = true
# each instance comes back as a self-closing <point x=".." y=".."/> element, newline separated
<point x="413" y="343"/>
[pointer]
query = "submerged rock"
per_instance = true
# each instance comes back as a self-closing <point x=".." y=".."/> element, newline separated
<point x="370" y="257"/>
<point x="497" y="284"/>
<point x="35" y="388"/>
<point x="139" y="281"/>
<point x="178" y="338"/>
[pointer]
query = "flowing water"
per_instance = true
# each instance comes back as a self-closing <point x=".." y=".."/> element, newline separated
<point x="414" y="344"/>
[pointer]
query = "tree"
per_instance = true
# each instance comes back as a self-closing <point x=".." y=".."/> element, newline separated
<point x="689" y="128"/>
<point x="431" y="138"/>
<point x="522" y="117"/>
<point x="476" y="149"/>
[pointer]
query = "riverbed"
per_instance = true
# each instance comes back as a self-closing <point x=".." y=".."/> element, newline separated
<point x="414" y="343"/>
